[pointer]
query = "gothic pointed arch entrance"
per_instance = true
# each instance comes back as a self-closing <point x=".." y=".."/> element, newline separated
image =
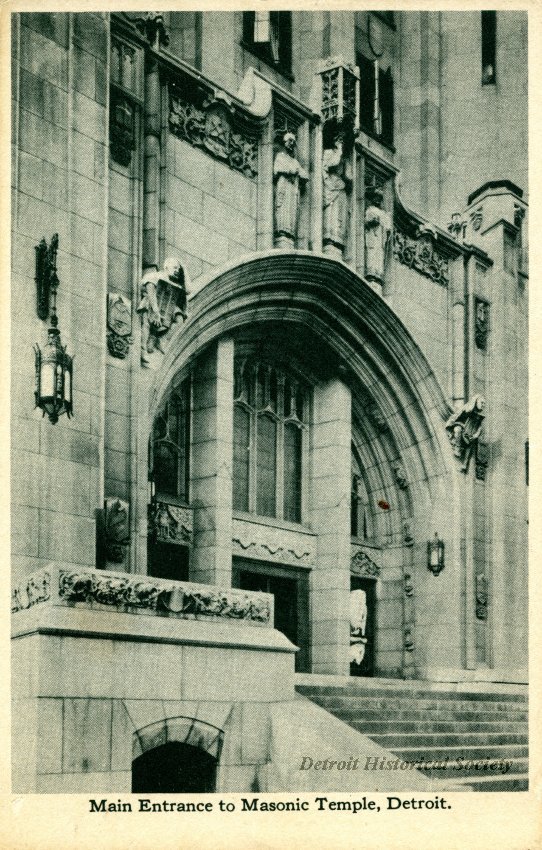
<point x="368" y="377"/>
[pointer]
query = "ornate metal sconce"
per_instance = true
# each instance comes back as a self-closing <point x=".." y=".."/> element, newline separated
<point x="53" y="365"/>
<point x="435" y="555"/>
<point x="46" y="276"/>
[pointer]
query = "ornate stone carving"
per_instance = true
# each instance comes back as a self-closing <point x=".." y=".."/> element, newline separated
<point x="288" y="174"/>
<point x="170" y="523"/>
<point x="117" y="529"/>
<point x="481" y="460"/>
<point x="408" y="537"/>
<point x="409" y="587"/>
<point x="163" y="302"/>
<point x="464" y="429"/>
<point x="481" y="597"/>
<point x="29" y="593"/>
<point x="408" y="640"/>
<point x="420" y="254"/>
<point x="152" y="26"/>
<point x="339" y="100"/>
<point x="178" y="598"/>
<point x="210" y="125"/>
<point x="272" y="544"/>
<point x="476" y="218"/>
<point x="119" y="324"/>
<point x="457" y="227"/>
<point x="376" y="416"/>
<point x="481" y="323"/>
<point x="362" y="565"/>
<point x="400" y="476"/>
<point x="337" y="179"/>
<point x="377" y="236"/>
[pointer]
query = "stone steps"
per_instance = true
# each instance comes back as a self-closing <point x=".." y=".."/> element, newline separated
<point x="380" y="727"/>
<point x="462" y="733"/>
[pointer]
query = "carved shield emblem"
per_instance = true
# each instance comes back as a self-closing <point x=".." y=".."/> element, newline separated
<point x="119" y="314"/>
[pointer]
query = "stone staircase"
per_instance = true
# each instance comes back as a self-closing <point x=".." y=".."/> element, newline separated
<point x="451" y="728"/>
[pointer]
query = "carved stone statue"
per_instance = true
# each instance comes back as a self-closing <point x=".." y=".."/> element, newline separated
<point x="358" y="624"/>
<point x="337" y="179"/>
<point x="163" y="301"/>
<point x="117" y="529"/>
<point x="288" y="174"/>
<point x="377" y="237"/>
<point x="464" y="429"/>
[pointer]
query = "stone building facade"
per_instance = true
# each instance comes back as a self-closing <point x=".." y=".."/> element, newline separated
<point x="288" y="253"/>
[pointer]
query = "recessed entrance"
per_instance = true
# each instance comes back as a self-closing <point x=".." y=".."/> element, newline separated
<point x="174" y="768"/>
<point x="290" y="589"/>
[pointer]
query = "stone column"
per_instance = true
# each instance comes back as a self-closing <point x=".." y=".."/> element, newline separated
<point x="212" y="449"/>
<point x="330" y="518"/>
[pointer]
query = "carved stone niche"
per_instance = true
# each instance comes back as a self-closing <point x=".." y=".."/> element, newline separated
<point x="170" y="523"/>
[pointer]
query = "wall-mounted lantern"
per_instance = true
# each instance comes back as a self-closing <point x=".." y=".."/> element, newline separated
<point x="53" y="365"/>
<point x="54" y="377"/>
<point x="435" y="555"/>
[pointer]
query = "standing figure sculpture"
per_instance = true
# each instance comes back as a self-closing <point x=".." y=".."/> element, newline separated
<point x="337" y="177"/>
<point x="288" y="175"/>
<point x="163" y="302"/>
<point x="377" y="237"/>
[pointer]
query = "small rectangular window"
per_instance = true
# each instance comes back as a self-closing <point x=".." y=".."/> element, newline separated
<point x="269" y="36"/>
<point x="489" y="47"/>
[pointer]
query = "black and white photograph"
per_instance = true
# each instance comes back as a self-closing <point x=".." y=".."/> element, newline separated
<point x="269" y="406"/>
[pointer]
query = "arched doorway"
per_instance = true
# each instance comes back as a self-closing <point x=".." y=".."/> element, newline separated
<point x="177" y="755"/>
<point x="174" y="768"/>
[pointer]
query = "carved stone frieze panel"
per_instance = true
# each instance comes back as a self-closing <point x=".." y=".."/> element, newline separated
<point x="252" y="540"/>
<point x="209" y="123"/>
<point x="362" y="565"/>
<point x="137" y="593"/>
<point x="421" y="254"/>
<point x="170" y="523"/>
<point x="36" y="589"/>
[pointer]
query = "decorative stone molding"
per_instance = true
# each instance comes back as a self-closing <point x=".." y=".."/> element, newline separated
<point x="170" y="523"/>
<point x="464" y="429"/>
<point x="136" y="593"/>
<point x="408" y="537"/>
<point x="481" y="323"/>
<point x="362" y="565"/>
<point x="400" y="476"/>
<point x="408" y="586"/>
<point x="481" y="460"/>
<point x="339" y="99"/>
<point x="268" y="543"/>
<point x="36" y="589"/>
<point x="519" y="214"/>
<point x="119" y="324"/>
<point x="122" y="121"/>
<point x="46" y="276"/>
<point x="117" y="529"/>
<point x="457" y="227"/>
<point x="420" y="253"/>
<point x="481" y="596"/>
<point x="211" y="124"/>
<point x="408" y="640"/>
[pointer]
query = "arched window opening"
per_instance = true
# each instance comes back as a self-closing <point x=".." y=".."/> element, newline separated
<point x="360" y="519"/>
<point x="170" y="446"/>
<point x="269" y="440"/>
<point x="174" y="768"/>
